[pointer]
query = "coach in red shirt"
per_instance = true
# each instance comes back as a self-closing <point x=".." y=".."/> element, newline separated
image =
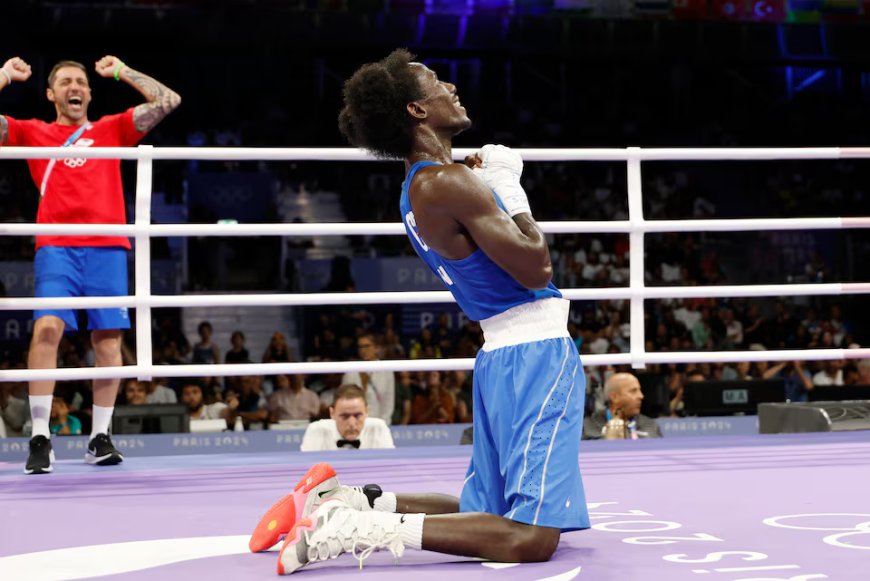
<point x="80" y="191"/>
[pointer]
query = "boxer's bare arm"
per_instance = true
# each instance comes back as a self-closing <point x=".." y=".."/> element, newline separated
<point x="456" y="212"/>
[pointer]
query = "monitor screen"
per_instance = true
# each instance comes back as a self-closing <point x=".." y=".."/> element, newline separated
<point x="725" y="398"/>
<point x="152" y="418"/>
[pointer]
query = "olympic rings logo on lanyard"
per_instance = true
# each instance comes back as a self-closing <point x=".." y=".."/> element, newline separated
<point x="828" y="522"/>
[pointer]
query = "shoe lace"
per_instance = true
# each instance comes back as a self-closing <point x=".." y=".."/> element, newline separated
<point x="359" y="534"/>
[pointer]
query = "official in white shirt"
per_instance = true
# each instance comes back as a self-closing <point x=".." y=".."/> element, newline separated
<point x="349" y="426"/>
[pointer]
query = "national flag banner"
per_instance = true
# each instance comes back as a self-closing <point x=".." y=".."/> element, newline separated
<point x="804" y="11"/>
<point x="729" y="9"/>
<point x="842" y="10"/>
<point x="768" y="10"/>
<point x="690" y="9"/>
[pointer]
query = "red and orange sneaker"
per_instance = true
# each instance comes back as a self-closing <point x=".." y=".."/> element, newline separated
<point x="318" y="484"/>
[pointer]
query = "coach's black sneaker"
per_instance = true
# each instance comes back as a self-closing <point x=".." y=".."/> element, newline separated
<point x="41" y="456"/>
<point x="101" y="451"/>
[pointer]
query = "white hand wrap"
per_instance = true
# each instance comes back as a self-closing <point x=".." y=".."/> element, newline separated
<point x="501" y="168"/>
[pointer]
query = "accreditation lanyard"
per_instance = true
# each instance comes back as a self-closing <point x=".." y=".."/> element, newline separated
<point x="69" y="141"/>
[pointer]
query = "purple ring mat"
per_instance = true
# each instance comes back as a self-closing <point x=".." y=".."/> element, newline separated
<point x="718" y="508"/>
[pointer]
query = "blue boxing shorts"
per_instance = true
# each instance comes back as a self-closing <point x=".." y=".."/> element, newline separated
<point x="529" y="392"/>
<point x="76" y="271"/>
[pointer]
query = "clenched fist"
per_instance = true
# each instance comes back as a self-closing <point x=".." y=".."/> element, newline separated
<point x="106" y="66"/>
<point x="17" y="69"/>
<point x="500" y="168"/>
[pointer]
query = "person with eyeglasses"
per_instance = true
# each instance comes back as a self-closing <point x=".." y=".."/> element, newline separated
<point x="379" y="386"/>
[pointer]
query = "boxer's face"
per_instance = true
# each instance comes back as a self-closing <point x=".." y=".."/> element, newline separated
<point x="440" y="106"/>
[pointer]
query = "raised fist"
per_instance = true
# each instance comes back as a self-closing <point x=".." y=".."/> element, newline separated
<point x="17" y="69"/>
<point x="106" y="66"/>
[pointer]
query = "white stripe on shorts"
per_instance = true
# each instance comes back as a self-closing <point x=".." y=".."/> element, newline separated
<point x="552" y="441"/>
<point x="532" y="427"/>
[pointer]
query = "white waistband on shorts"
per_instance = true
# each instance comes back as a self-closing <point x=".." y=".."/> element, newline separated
<point x="543" y="319"/>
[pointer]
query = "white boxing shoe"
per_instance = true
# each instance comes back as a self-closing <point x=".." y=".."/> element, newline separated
<point x="336" y="528"/>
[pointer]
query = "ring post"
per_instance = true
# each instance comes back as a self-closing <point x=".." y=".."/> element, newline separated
<point x="635" y="260"/>
<point x="142" y="256"/>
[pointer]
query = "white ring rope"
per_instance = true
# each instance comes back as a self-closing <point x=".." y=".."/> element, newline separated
<point x="396" y="228"/>
<point x="348" y="154"/>
<point x="416" y="297"/>
<point x="636" y="226"/>
<point x="316" y="367"/>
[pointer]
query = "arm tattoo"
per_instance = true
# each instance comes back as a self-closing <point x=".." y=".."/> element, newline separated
<point x="161" y="101"/>
<point x="4" y="130"/>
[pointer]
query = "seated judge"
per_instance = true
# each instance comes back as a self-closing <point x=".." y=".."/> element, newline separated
<point x="349" y="426"/>
<point x="621" y="419"/>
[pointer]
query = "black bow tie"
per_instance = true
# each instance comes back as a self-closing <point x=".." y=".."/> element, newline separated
<point x="343" y="443"/>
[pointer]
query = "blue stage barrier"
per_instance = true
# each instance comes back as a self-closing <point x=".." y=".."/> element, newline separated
<point x="73" y="447"/>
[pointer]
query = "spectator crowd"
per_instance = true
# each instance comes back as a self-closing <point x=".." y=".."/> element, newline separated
<point x="433" y="397"/>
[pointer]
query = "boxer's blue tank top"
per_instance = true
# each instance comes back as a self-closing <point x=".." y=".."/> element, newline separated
<point x="481" y="287"/>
